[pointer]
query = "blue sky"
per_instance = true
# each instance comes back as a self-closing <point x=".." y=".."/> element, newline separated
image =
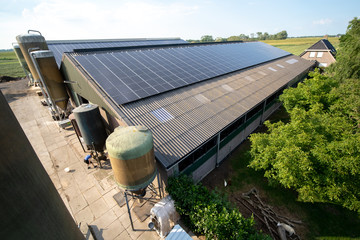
<point x="91" y="19"/>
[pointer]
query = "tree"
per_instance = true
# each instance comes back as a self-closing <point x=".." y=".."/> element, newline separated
<point x="266" y="36"/>
<point x="220" y="39"/>
<point x="348" y="57"/>
<point x="207" y="38"/>
<point x="243" y="36"/>
<point x="318" y="152"/>
<point x="281" y="35"/>
<point x="233" y="38"/>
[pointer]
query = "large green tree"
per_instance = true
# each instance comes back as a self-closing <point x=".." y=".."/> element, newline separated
<point x="348" y="58"/>
<point x="318" y="152"/>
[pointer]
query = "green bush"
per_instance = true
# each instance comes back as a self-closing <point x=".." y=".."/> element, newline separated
<point x="209" y="213"/>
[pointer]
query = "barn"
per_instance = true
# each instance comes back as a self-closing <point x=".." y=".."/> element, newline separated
<point x="200" y="101"/>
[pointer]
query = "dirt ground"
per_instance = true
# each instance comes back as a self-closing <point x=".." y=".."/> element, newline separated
<point x="15" y="88"/>
<point x="225" y="172"/>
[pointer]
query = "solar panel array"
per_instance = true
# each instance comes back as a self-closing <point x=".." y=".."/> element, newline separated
<point x="130" y="75"/>
<point x="59" y="48"/>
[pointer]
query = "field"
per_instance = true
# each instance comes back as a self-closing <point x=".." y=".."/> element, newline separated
<point x="10" y="66"/>
<point x="297" y="45"/>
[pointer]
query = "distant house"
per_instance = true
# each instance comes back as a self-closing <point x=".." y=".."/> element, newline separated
<point x="322" y="51"/>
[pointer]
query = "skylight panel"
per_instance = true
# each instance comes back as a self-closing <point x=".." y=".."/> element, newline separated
<point x="292" y="61"/>
<point x="272" y="69"/>
<point x="227" y="88"/>
<point x="162" y="115"/>
<point x="249" y="78"/>
<point x="279" y="65"/>
<point x="262" y="73"/>
<point x="202" y="98"/>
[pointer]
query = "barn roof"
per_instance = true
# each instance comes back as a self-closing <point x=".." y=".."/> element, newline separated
<point x="227" y="81"/>
<point x="183" y="119"/>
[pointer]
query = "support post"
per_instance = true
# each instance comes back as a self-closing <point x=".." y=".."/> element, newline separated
<point x="129" y="212"/>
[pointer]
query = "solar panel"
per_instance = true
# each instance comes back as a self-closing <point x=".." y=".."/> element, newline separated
<point x="59" y="47"/>
<point x="130" y="75"/>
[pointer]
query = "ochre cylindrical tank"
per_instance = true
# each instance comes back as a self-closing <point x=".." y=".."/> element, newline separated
<point x="131" y="153"/>
<point x="91" y="126"/>
<point x="20" y="57"/>
<point x="51" y="75"/>
<point x="27" y="41"/>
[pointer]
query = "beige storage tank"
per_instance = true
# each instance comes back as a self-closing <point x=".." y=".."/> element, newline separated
<point x="27" y="41"/>
<point x="131" y="153"/>
<point x="20" y="57"/>
<point x="51" y="76"/>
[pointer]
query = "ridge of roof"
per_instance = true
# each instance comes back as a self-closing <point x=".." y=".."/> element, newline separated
<point x="145" y="47"/>
<point x="322" y="44"/>
<point x="110" y="40"/>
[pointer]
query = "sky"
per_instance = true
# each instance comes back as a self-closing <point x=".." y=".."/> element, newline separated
<point x="187" y="19"/>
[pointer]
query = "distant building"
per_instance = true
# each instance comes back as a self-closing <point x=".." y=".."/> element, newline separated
<point x="323" y="52"/>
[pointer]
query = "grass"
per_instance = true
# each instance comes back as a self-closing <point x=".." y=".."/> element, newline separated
<point x="297" y="45"/>
<point x="323" y="220"/>
<point x="9" y="65"/>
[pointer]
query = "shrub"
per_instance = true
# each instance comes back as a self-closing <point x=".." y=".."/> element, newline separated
<point x="209" y="213"/>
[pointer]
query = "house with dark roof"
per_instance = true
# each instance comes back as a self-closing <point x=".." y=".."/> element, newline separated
<point x="323" y="52"/>
<point x="200" y="101"/>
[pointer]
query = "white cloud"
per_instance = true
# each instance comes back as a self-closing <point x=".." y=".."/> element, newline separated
<point x="81" y="19"/>
<point x="322" y="21"/>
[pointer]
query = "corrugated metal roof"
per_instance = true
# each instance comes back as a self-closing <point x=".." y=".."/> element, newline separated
<point x="196" y="120"/>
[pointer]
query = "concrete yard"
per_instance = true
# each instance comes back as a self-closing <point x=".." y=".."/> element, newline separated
<point x="87" y="193"/>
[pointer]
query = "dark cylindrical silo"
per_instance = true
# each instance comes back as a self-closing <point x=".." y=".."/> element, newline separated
<point x="91" y="126"/>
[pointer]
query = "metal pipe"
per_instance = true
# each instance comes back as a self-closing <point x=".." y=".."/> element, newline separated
<point x="217" y="150"/>
<point x="129" y="212"/>
<point x="159" y="184"/>
<point x="30" y="30"/>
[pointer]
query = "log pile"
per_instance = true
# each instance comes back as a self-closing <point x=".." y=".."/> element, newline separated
<point x="280" y="227"/>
